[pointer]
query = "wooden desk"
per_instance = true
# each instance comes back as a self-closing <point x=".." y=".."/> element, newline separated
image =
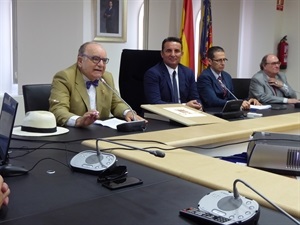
<point x="214" y="173"/>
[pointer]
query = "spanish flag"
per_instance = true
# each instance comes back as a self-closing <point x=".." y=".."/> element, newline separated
<point x="187" y="35"/>
<point x="206" y="35"/>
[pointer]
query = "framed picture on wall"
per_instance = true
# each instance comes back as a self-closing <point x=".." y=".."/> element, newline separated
<point x="111" y="21"/>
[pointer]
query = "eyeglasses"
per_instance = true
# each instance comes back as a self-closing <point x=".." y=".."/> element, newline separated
<point x="220" y="60"/>
<point x="96" y="59"/>
<point x="275" y="63"/>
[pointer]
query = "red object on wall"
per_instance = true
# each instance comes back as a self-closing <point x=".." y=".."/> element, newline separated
<point x="280" y="4"/>
<point x="282" y="53"/>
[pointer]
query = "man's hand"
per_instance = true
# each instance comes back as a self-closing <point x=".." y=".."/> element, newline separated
<point x="251" y="101"/>
<point x="131" y="117"/>
<point x="276" y="83"/>
<point x="194" y="104"/>
<point x="87" y="119"/>
<point x="5" y="191"/>
<point x="293" y="100"/>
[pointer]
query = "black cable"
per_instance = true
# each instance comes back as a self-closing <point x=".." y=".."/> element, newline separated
<point x="35" y="149"/>
<point x="47" y="159"/>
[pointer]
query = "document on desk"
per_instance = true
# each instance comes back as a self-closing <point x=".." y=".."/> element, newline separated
<point x="112" y="123"/>
<point x="259" y="107"/>
<point x="185" y="112"/>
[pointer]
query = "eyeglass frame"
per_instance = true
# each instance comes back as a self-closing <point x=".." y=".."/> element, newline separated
<point x="274" y="63"/>
<point x="96" y="61"/>
<point x="220" y="60"/>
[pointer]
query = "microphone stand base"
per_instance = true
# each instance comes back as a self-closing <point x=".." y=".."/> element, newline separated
<point x="89" y="162"/>
<point x="137" y="125"/>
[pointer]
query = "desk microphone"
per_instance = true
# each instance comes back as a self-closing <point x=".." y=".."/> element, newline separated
<point x="95" y="162"/>
<point x="231" y="208"/>
<point x="156" y="153"/>
<point x="224" y="86"/>
<point x="92" y="162"/>
<point x="136" y="125"/>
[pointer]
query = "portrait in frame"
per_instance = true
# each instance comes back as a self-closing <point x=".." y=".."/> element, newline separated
<point x="111" y="21"/>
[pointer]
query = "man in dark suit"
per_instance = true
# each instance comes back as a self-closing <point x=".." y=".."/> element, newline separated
<point x="109" y="16"/>
<point x="169" y="81"/>
<point x="212" y="81"/>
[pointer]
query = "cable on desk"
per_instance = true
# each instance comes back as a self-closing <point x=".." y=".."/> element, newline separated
<point x="38" y="162"/>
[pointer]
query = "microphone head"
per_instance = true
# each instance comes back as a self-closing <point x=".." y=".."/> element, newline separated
<point x="158" y="153"/>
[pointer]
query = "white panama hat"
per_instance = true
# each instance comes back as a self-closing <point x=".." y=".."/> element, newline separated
<point x="39" y="124"/>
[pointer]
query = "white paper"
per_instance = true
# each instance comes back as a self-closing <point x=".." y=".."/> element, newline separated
<point x="184" y="112"/>
<point x="260" y="107"/>
<point x="112" y="123"/>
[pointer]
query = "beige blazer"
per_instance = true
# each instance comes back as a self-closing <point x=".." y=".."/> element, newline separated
<point x="69" y="96"/>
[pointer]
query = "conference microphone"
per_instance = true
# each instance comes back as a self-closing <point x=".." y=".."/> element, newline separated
<point x="135" y="125"/>
<point x="92" y="162"/>
<point x="237" y="196"/>
<point x="156" y="153"/>
<point x="95" y="162"/>
<point x="224" y="86"/>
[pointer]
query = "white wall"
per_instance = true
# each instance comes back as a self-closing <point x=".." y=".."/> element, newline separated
<point x="291" y="28"/>
<point x="50" y="33"/>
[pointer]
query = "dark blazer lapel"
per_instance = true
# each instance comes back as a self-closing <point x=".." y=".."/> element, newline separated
<point x="215" y="81"/>
<point x="182" y="79"/>
<point x="166" y="76"/>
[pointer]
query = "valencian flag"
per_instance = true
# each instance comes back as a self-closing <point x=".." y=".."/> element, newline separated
<point x="206" y="35"/>
<point x="187" y="35"/>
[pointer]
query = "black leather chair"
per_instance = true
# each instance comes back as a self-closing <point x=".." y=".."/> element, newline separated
<point x="241" y="87"/>
<point x="36" y="96"/>
<point x="134" y="64"/>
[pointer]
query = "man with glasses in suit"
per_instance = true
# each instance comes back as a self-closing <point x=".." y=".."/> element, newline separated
<point x="213" y="82"/>
<point x="269" y="85"/>
<point x="79" y="97"/>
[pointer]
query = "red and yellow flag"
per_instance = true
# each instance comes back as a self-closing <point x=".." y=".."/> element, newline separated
<point x="187" y="35"/>
<point x="206" y="35"/>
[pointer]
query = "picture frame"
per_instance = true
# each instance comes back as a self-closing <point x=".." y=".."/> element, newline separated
<point x="111" y="24"/>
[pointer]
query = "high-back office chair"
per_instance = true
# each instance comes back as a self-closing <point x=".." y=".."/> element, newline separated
<point x="241" y="87"/>
<point x="134" y="64"/>
<point x="36" y="96"/>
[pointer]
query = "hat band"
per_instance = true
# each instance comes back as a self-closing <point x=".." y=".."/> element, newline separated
<point x="38" y="130"/>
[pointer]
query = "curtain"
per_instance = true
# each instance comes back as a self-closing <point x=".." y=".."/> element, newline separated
<point x="6" y="65"/>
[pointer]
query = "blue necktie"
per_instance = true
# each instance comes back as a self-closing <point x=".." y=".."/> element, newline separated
<point x="89" y="83"/>
<point x="175" y="90"/>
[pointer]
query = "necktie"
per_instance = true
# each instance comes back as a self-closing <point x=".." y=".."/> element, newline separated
<point x="223" y="86"/>
<point x="175" y="90"/>
<point x="89" y="83"/>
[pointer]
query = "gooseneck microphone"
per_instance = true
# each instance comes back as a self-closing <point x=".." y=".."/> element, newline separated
<point x="135" y="125"/>
<point x="236" y="195"/>
<point x="156" y="153"/>
<point x="95" y="162"/>
<point x="224" y="86"/>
